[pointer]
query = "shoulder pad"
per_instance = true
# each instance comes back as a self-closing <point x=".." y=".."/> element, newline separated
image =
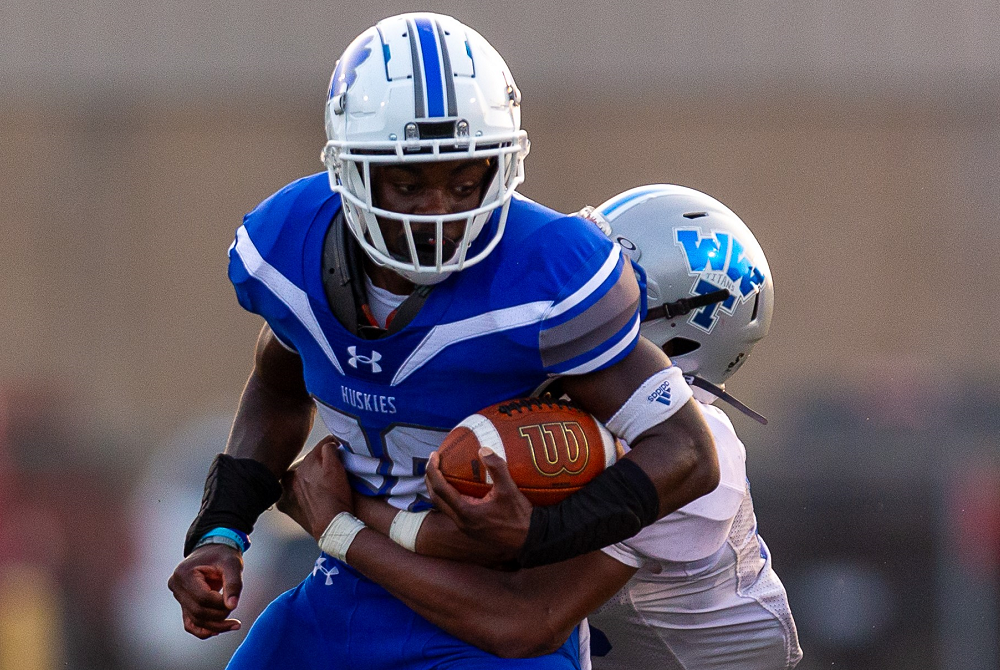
<point x="342" y="272"/>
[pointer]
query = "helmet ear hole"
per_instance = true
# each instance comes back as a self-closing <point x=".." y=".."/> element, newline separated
<point x="678" y="346"/>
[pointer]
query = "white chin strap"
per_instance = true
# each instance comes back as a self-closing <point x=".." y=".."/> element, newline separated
<point x="424" y="278"/>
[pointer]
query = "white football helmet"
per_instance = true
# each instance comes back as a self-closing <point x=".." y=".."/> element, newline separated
<point x="415" y="88"/>
<point x="709" y="288"/>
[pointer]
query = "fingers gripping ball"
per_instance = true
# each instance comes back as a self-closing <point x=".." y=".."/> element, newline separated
<point x="552" y="449"/>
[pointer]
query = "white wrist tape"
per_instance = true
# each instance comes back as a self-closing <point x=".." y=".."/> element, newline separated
<point x="654" y="402"/>
<point x="405" y="526"/>
<point x="337" y="537"/>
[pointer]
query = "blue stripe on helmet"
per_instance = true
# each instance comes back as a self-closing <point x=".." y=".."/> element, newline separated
<point x="432" y="67"/>
<point x="629" y="197"/>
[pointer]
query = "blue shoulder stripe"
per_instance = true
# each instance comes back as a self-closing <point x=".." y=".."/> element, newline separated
<point x="609" y="310"/>
<point x="613" y="350"/>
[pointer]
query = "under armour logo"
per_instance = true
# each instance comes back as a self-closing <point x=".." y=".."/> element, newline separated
<point x="328" y="572"/>
<point x="367" y="360"/>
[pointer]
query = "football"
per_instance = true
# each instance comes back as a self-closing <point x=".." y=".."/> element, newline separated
<point x="552" y="448"/>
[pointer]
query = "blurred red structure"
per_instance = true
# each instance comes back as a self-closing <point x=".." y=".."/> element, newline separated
<point x="62" y="543"/>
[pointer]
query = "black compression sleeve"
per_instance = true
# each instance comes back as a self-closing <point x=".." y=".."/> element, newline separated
<point x="237" y="491"/>
<point x="612" y="507"/>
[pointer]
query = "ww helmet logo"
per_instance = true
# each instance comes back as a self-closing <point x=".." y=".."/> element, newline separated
<point x="718" y="261"/>
<point x="364" y="360"/>
<point x="557" y="447"/>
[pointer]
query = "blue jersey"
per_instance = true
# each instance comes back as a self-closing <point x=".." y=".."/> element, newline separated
<point x="555" y="297"/>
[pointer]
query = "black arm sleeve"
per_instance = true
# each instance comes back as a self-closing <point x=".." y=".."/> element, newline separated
<point x="237" y="491"/>
<point x="612" y="507"/>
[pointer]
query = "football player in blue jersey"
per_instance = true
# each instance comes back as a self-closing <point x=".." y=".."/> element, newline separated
<point x="402" y="290"/>
<point x="695" y="589"/>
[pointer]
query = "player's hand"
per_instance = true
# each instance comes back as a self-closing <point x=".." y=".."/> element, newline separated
<point x="501" y="518"/>
<point x="315" y="489"/>
<point x="207" y="585"/>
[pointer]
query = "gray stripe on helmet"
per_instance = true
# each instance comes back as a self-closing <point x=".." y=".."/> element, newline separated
<point x="592" y="327"/>
<point x="419" y="103"/>
<point x="449" y="77"/>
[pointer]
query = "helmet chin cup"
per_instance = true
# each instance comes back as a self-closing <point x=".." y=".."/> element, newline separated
<point x="424" y="278"/>
<point x="413" y="89"/>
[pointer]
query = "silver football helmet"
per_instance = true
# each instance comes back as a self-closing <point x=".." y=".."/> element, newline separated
<point x="709" y="289"/>
<point x="415" y="88"/>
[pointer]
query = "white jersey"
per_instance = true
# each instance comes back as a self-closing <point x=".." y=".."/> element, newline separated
<point x="705" y="596"/>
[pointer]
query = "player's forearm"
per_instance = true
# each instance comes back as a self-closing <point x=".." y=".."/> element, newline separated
<point x="507" y="614"/>
<point x="679" y="457"/>
<point x="673" y="447"/>
<point x="268" y="432"/>
<point x="271" y="425"/>
<point x="438" y="536"/>
<point x="671" y="465"/>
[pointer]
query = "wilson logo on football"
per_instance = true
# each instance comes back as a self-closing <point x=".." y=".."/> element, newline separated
<point x="557" y="448"/>
<point x="546" y="444"/>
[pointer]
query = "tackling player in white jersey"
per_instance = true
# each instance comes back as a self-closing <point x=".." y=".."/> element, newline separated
<point x="694" y="590"/>
<point x="704" y="594"/>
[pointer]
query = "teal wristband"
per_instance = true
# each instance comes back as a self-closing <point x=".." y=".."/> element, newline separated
<point x="219" y="539"/>
<point x="241" y="539"/>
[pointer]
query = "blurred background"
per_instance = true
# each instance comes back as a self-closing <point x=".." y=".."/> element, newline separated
<point x="860" y="140"/>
